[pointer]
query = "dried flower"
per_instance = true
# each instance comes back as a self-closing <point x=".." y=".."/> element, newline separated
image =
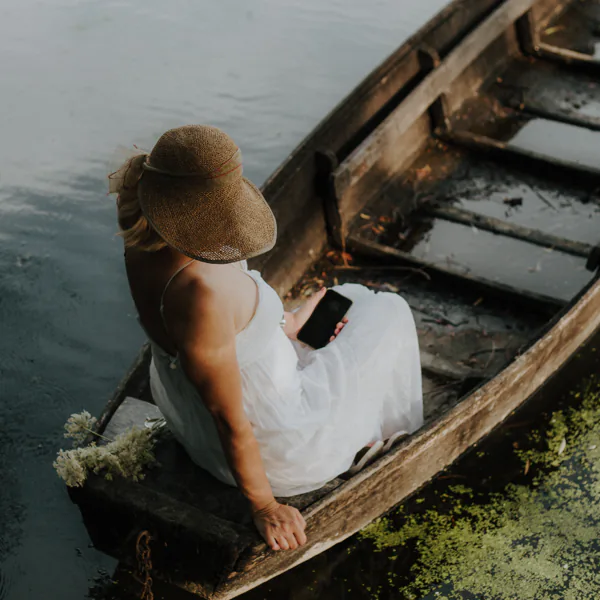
<point x="79" y="426"/>
<point x="69" y="468"/>
<point x="127" y="455"/>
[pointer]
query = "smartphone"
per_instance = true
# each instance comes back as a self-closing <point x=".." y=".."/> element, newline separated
<point x="320" y="326"/>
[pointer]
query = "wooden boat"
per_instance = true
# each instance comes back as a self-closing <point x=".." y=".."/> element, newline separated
<point x="421" y="159"/>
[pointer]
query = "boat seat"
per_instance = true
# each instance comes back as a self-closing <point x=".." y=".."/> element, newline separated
<point x="177" y="476"/>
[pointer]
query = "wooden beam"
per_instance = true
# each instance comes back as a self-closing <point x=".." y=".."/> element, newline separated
<point x="429" y="60"/>
<point x="593" y="261"/>
<point x="529" y="40"/>
<point x="490" y="290"/>
<point x="549" y="166"/>
<point x="325" y="163"/>
<point x="440" y="367"/>
<point x="132" y="412"/>
<point x="570" y="117"/>
<point x="426" y="93"/>
<point x="406" y="468"/>
<point x="568" y="58"/>
<point x="527" y="33"/>
<point x="533" y="236"/>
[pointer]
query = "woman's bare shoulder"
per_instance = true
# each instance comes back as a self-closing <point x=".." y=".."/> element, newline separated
<point x="199" y="309"/>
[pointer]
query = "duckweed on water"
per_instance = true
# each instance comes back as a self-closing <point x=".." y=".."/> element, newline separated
<point x="527" y="542"/>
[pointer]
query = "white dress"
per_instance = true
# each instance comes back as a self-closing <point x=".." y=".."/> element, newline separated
<point x="311" y="410"/>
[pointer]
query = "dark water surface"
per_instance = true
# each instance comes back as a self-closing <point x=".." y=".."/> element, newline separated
<point x="78" y="79"/>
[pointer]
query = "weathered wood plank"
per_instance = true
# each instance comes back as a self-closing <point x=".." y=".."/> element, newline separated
<point x="527" y="33"/>
<point x="593" y="261"/>
<point x="546" y="11"/>
<point x="551" y="166"/>
<point x="439" y="366"/>
<point x="490" y="290"/>
<point x="202" y="537"/>
<point x="439" y="112"/>
<point x="406" y="468"/>
<point x="568" y="58"/>
<point x="533" y="236"/>
<point x="396" y="160"/>
<point x="132" y="412"/>
<point x="435" y="84"/>
<point x="570" y="117"/>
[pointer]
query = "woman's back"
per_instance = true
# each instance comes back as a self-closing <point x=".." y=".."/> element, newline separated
<point x="159" y="285"/>
<point x="271" y="386"/>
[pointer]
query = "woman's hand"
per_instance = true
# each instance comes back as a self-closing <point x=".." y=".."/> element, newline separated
<point x="281" y="526"/>
<point x="296" y="320"/>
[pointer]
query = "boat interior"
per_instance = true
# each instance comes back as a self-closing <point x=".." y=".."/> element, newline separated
<point x="483" y="221"/>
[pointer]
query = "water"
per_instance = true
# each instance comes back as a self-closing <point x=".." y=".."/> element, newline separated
<point x="77" y="80"/>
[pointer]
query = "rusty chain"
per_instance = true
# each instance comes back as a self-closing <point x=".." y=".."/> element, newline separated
<point x="144" y="560"/>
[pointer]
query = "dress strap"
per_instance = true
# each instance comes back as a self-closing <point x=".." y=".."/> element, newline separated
<point x="162" y="297"/>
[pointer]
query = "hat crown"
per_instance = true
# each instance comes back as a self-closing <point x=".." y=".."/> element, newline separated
<point x="193" y="150"/>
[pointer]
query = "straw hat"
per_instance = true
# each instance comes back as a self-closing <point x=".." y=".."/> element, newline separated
<point x="192" y="192"/>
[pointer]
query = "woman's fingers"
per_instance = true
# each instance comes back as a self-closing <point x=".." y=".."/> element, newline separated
<point x="292" y="542"/>
<point x="338" y="329"/>
<point x="273" y="544"/>
<point x="289" y="541"/>
<point x="283" y="543"/>
<point x="284" y="529"/>
<point x="300" y="537"/>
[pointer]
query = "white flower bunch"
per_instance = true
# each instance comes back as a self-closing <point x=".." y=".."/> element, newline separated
<point x="126" y="455"/>
<point x="78" y="426"/>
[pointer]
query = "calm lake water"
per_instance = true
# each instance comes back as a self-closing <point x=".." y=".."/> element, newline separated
<point x="78" y="79"/>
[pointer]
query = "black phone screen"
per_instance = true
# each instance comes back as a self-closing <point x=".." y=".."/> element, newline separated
<point x="320" y="326"/>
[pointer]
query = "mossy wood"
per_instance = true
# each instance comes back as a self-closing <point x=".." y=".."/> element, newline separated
<point x="357" y="183"/>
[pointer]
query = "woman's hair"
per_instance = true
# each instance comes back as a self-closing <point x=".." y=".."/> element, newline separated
<point x="135" y="229"/>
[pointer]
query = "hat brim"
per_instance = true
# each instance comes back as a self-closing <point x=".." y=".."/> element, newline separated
<point x="225" y="225"/>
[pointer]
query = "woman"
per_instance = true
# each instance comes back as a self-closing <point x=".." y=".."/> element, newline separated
<point x="250" y="403"/>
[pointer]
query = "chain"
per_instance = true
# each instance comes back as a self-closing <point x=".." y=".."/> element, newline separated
<point x="144" y="560"/>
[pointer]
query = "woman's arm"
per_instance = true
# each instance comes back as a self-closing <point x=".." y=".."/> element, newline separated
<point x="205" y="338"/>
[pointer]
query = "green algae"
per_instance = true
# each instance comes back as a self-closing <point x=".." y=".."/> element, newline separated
<point x="531" y="541"/>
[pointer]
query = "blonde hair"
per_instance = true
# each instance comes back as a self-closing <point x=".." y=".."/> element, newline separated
<point x="135" y="229"/>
